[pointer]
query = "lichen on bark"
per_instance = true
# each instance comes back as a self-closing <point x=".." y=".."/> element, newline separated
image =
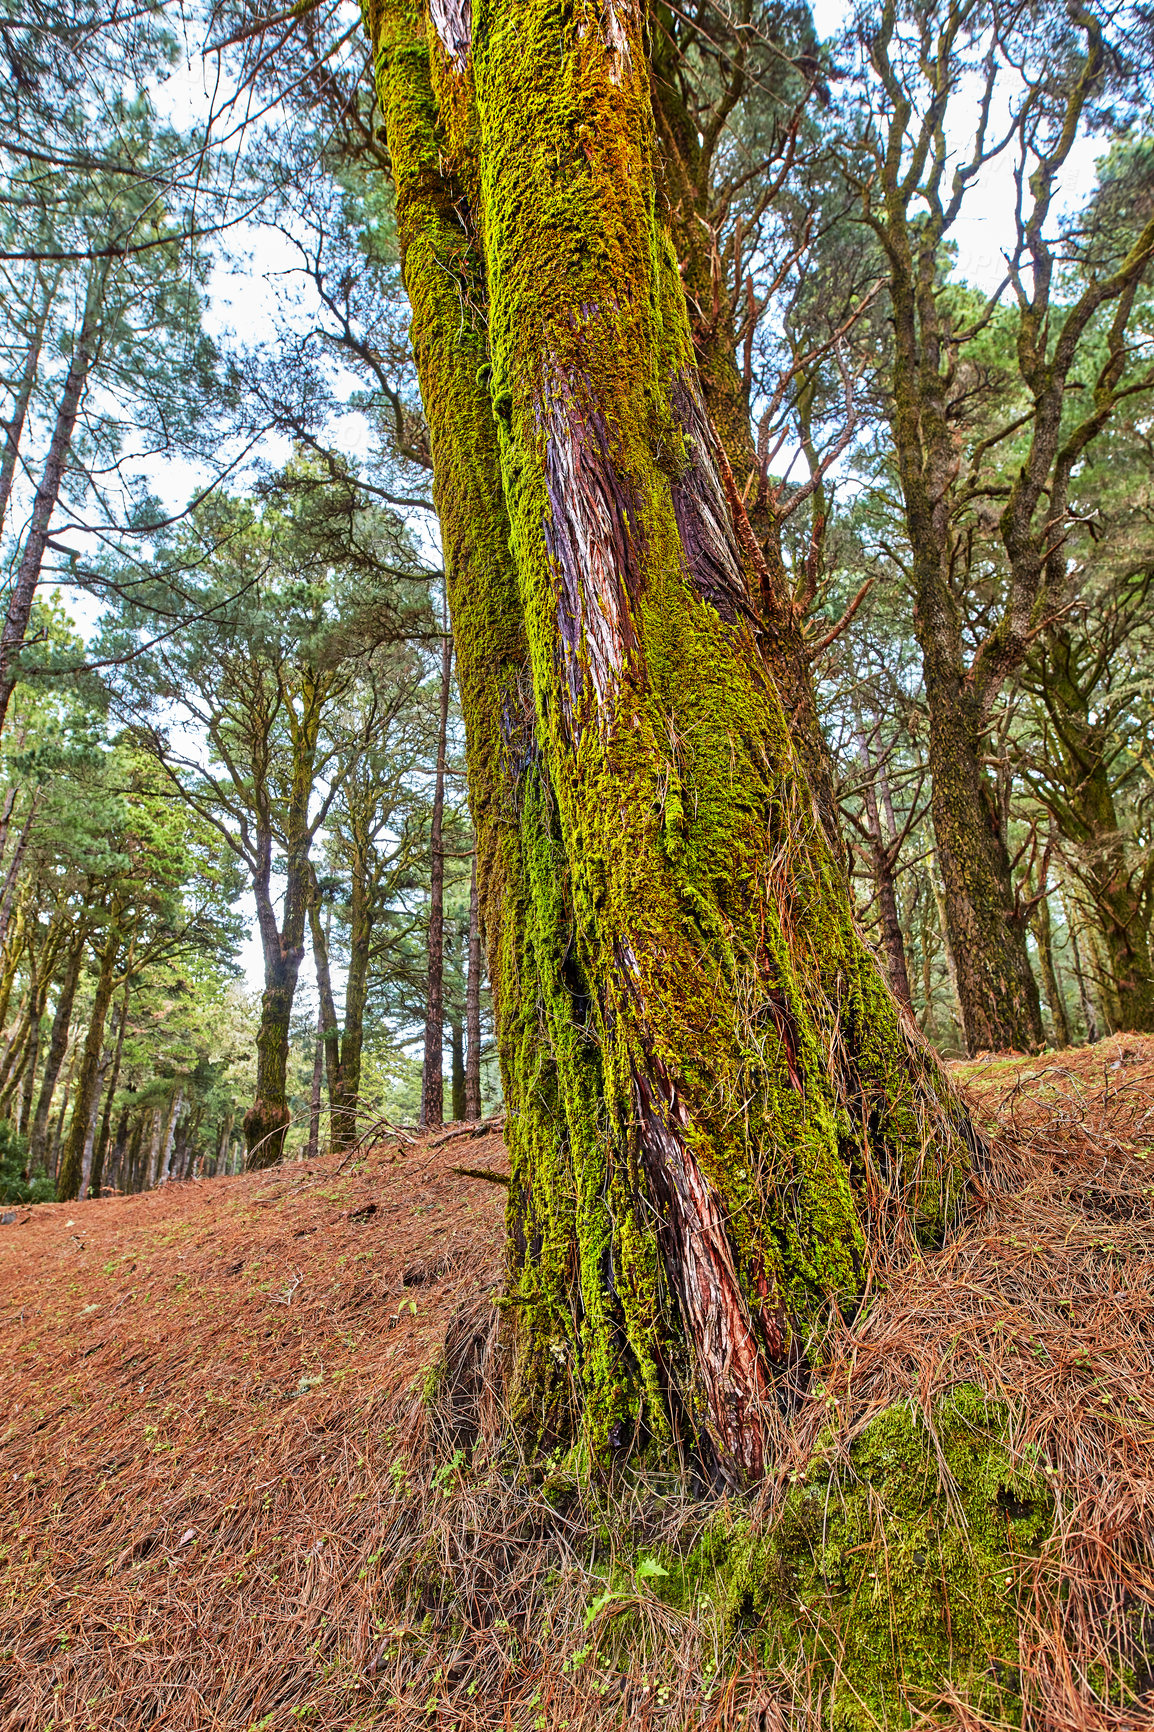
<point x="716" y="1110"/>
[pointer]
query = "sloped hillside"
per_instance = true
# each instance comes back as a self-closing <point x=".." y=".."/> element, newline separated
<point x="241" y="1488"/>
<point x="195" y="1396"/>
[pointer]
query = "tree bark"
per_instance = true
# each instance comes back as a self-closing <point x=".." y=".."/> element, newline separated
<point x="314" y="1141"/>
<point x="72" y="1166"/>
<point x="473" y="1007"/>
<point x="164" y="1162"/>
<point x="342" y="1057"/>
<point x="14" y="426"/>
<point x="432" y="1082"/>
<point x="1077" y="787"/>
<point x="57" y="1046"/>
<point x="717" y="1114"/>
<point x="457" y="1072"/>
<point x="13" y="873"/>
<point x="267" y="1120"/>
<point x="48" y="492"/>
<point x="102" y="1145"/>
<point x="985" y="928"/>
<point x="883" y="859"/>
<point x="1054" y="998"/>
<point x="58" y="1135"/>
<point x="1089" y="1018"/>
<point x="120" y="1166"/>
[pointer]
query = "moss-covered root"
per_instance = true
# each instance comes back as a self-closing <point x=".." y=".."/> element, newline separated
<point x="897" y="1569"/>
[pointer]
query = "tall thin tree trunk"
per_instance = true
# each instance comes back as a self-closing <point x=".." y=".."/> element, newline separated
<point x="57" y="1047"/>
<point x="58" y="1134"/>
<point x="48" y="492"/>
<point x="882" y="851"/>
<point x="14" y="426"/>
<point x="1045" y="939"/>
<point x="1089" y="1019"/>
<point x="23" y="1122"/>
<point x="116" y="1169"/>
<point x="313" y="1143"/>
<point x="225" y="1144"/>
<point x="433" y="1085"/>
<point x="267" y="1120"/>
<point x="90" y="1135"/>
<point x="329" y="1036"/>
<point x="164" y="1162"/>
<point x="928" y="935"/>
<point x="473" y="1007"/>
<point x="106" y="1123"/>
<point x="87" y="1091"/>
<point x="457" y="1072"/>
<point x="997" y="992"/>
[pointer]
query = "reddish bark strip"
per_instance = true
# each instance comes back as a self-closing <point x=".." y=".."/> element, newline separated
<point x="453" y="22"/>
<point x="700" y="1258"/>
<point x="702" y="510"/>
<point x="591" y="538"/>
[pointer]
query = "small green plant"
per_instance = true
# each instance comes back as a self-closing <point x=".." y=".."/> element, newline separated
<point x="17" y="1185"/>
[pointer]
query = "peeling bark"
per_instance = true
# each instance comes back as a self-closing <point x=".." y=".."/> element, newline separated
<point x="591" y="538"/>
<point x="453" y="22"/>
<point x="701" y="509"/>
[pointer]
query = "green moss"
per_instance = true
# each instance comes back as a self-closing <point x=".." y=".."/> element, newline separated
<point x="659" y="901"/>
<point x="894" y="1568"/>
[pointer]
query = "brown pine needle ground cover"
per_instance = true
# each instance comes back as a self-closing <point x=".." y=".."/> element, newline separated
<point x="234" y="1498"/>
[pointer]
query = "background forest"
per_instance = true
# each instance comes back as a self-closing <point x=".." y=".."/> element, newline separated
<point x="238" y="916"/>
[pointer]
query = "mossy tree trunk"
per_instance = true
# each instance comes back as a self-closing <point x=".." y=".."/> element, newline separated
<point x="432" y="1081"/>
<point x="715" y="1108"/>
<point x="1076" y="780"/>
<point x="721" y="318"/>
<point x="473" y="1007"/>
<point x="267" y="1120"/>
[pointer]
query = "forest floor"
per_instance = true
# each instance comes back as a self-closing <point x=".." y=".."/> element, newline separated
<point x="231" y="1497"/>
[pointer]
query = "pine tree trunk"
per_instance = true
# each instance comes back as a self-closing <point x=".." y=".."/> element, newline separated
<point x="87" y="1092"/>
<point x="432" y="1081"/>
<point x="457" y="1073"/>
<point x="164" y="1163"/>
<point x="986" y="933"/>
<point x="1089" y="1020"/>
<point x="882" y="853"/>
<point x="314" y="1140"/>
<point x="89" y="1154"/>
<point x="267" y="1120"/>
<point x="57" y="1048"/>
<point x="473" y="1008"/>
<point x="678" y="974"/>
<point x="106" y="1123"/>
<point x="58" y="1135"/>
<point x="342" y="1092"/>
<point x="1054" y="998"/>
<point x="13" y="873"/>
<point x="151" y="1176"/>
<point x="48" y="492"/>
<point x="14" y="426"/>
<point x="115" y="1170"/>
<point x="352" y="1038"/>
